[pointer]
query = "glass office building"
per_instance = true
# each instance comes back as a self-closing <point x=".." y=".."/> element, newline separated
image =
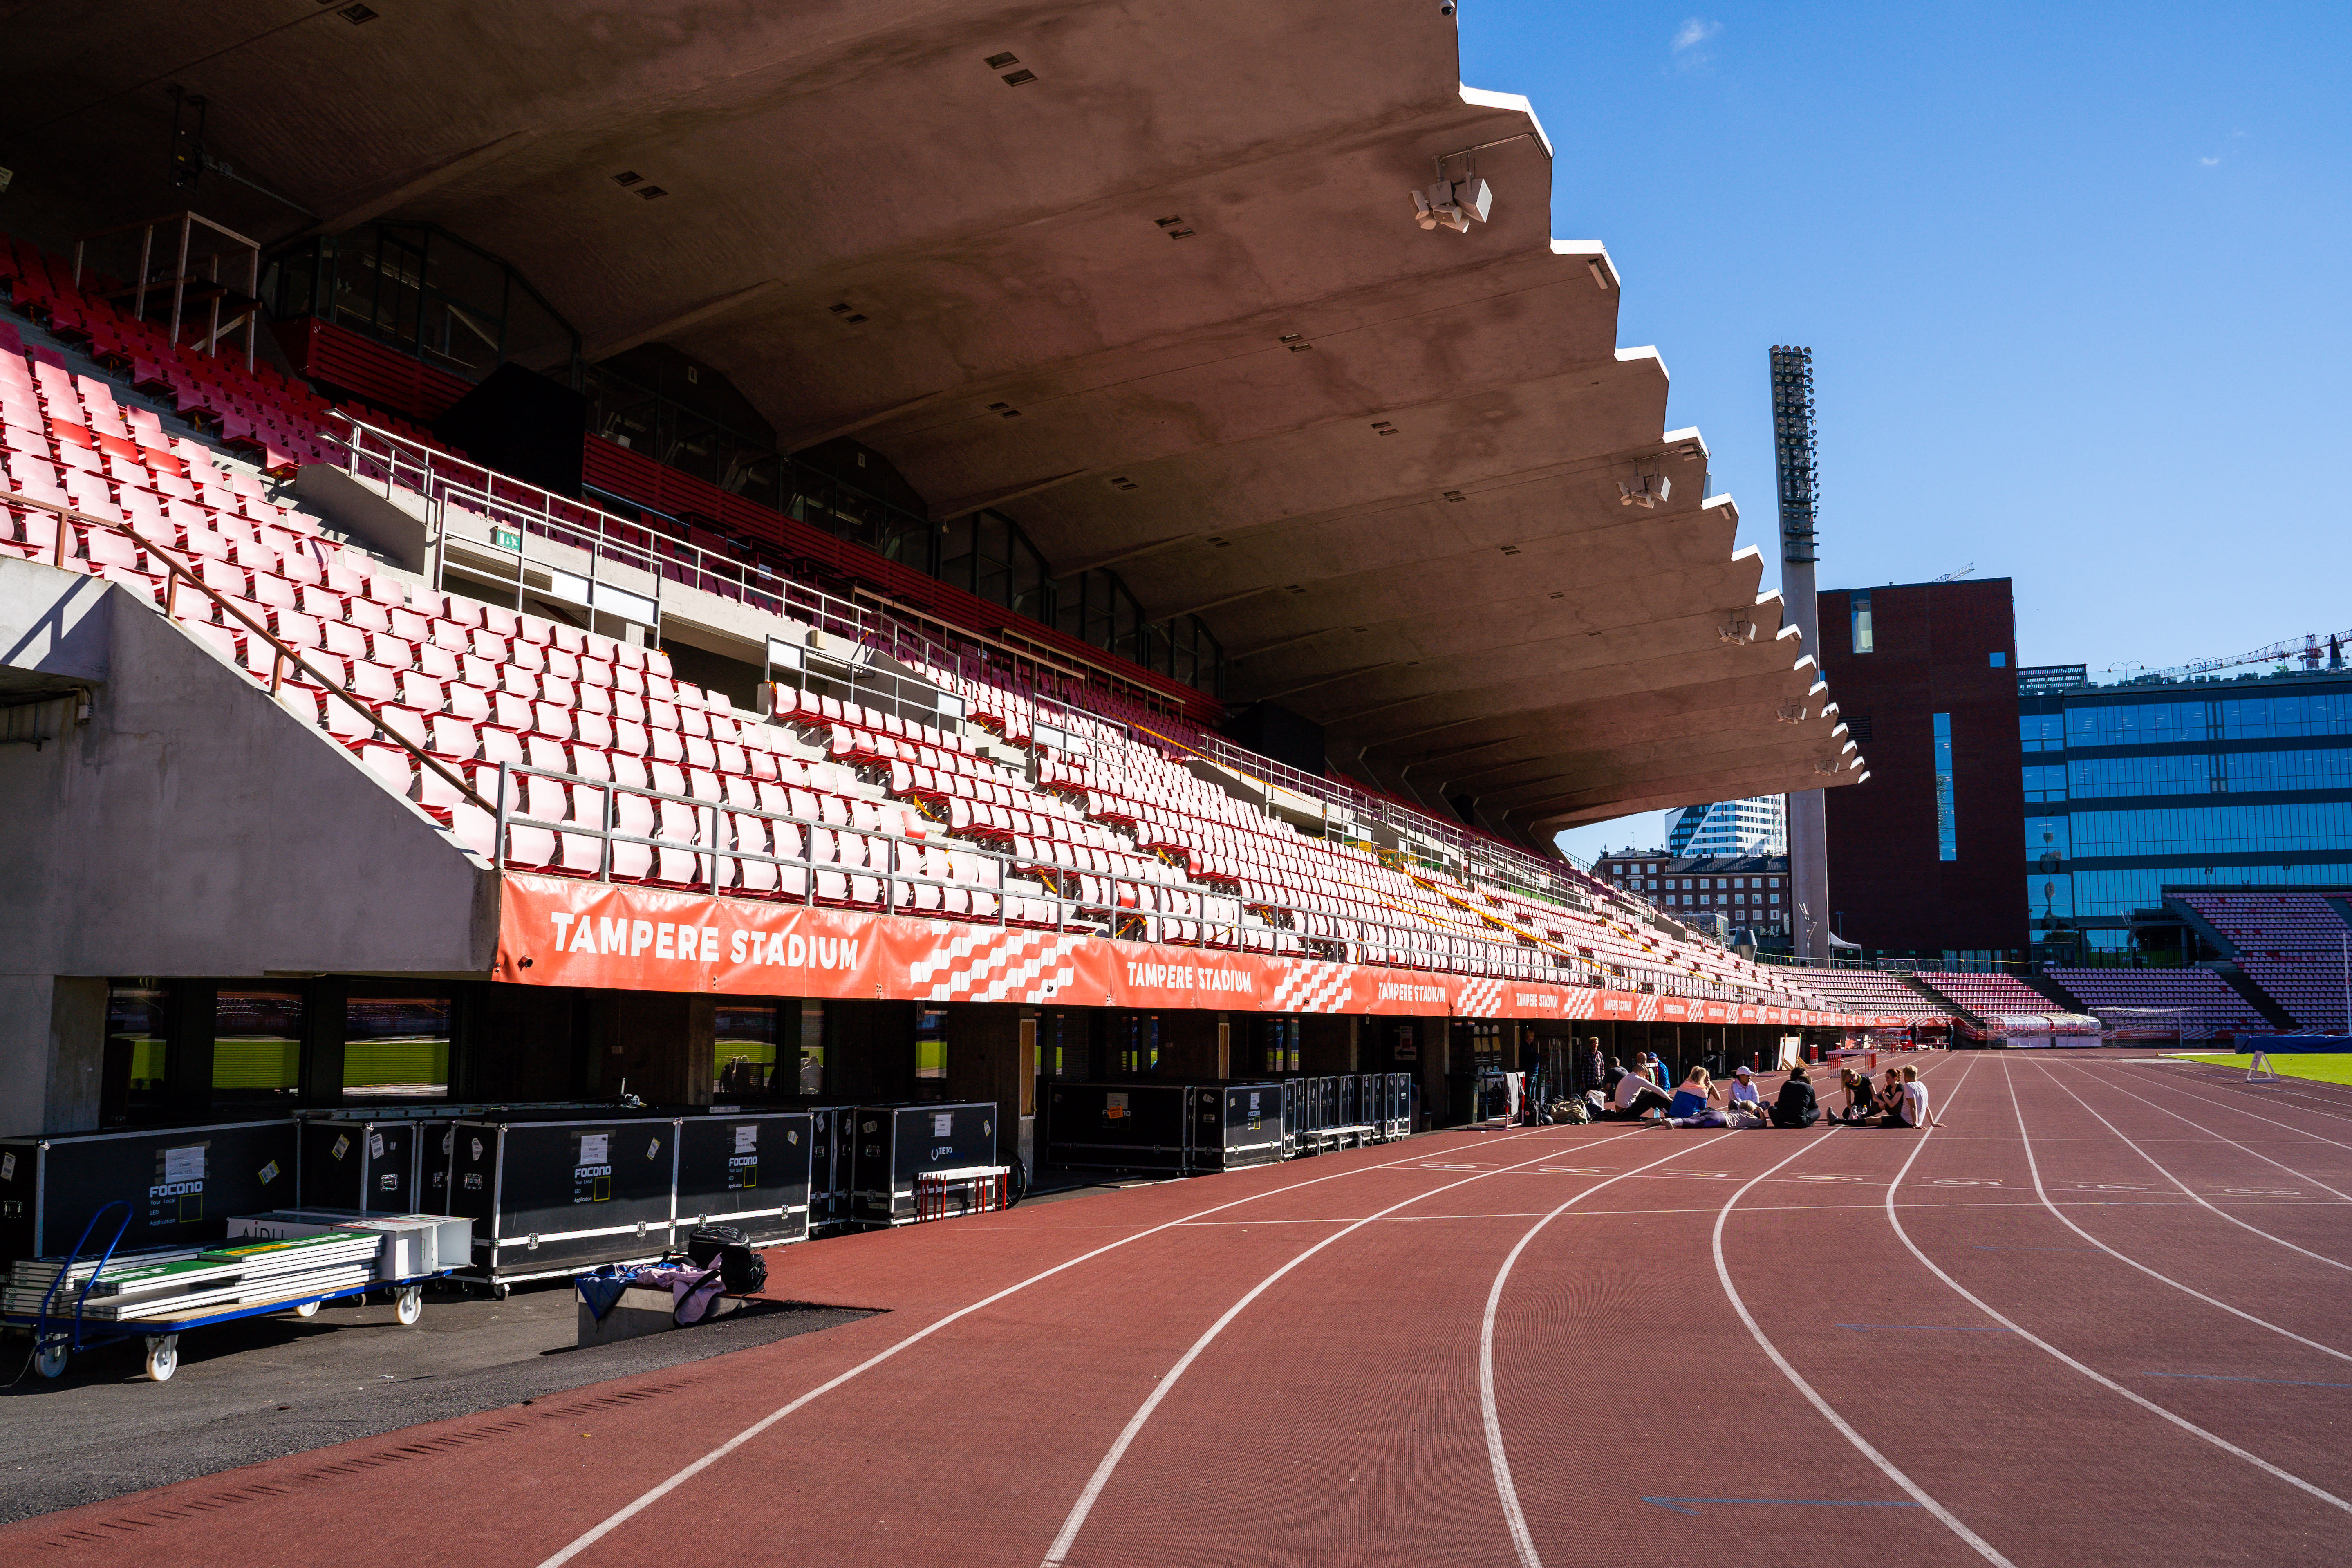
<point x="2221" y="782"/>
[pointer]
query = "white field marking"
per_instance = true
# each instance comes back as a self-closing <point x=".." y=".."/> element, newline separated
<point x="2233" y="1142"/>
<point x="2168" y="1175"/>
<point x="656" y="1493"/>
<point x="1498" y="1459"/>
<point x="1844" y="1428"/>
<point x="2230" y="1102"/>
<point x="2151" y="1406"/>
<point x="1069" y="1535"/>
<point x="2035" y="1165"/>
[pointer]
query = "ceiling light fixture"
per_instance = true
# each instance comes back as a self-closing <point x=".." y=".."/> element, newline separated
<point x="1002" y="62"/>
<point x="1173" y="228"/>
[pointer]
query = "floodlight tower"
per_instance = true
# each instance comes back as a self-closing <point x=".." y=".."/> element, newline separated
<point x="1795" y="456"/>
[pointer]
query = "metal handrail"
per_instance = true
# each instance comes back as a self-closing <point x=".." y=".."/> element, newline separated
<point x="282" y="653"/>
<point x="526" y="505"/>
<point x="1069" y="911"/>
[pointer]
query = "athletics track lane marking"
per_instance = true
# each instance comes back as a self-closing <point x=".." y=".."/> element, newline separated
<point x="1846" y="1429"/>
<point x="1895" y="1221"/>
<point x="654" y="1494"/>
<point x="1067" y="1538"/>
<point x="2168" y="1175"/>
<point x="2033" y="1165"/>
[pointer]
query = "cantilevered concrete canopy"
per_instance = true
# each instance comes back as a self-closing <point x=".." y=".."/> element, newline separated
<point x="1382" y="464"/>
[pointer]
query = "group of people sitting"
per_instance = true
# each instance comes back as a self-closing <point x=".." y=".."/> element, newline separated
<point x="1633" y="1096"/>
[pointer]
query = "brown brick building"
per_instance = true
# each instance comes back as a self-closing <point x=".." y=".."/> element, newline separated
<point x="1923" y="855"/>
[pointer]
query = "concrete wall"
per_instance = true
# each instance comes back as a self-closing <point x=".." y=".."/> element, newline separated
<point x="193" y="826"/>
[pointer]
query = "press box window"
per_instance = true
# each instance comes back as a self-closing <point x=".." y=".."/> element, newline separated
<point x="1864" y="639"/>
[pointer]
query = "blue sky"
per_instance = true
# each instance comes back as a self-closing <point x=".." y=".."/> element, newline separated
<point x="2075" y="280"/>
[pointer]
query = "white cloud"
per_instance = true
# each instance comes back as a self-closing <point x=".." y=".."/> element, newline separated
<point x="2226" y="150"/>
<point x="1695" y="32"/>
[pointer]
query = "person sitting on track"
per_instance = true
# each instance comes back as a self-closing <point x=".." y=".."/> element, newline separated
<point x="1694" y="1103"/>
<point x="1889" y="1106"/>
<point x="1636" y="1097"/>
<point x="1915" y="1110"/>
<point x="1860" y="1103"/>
<point x="1747" y="1105"/>
<point x="1796" y="1106"/>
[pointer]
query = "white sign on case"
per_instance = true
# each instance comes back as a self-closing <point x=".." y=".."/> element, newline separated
<point x="596" y="1148"/>
<point x="747" y="1138"/>
<point x="185" y="1164"/>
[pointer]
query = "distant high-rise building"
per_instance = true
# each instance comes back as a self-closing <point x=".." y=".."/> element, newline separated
<point x="1756" y="826"/>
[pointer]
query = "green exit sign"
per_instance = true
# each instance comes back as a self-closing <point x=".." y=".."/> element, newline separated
<point x="507" y="538"/>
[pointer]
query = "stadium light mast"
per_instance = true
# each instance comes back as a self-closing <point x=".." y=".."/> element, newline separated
<point x="1795" y="456"/>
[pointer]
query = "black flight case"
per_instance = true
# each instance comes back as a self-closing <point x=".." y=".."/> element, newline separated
<point x="1116" y="1126"/>
<point x="550" y="1198"/>
<point x="749" y="1169"/>
<point x="181" y="1184"/>
<point x="893" y="1144"/>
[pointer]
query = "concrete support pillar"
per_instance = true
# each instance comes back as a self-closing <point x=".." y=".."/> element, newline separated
<point x="52" y="1053"/>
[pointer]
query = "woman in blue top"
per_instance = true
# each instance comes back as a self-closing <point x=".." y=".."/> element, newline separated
<point x="1693" y="1104"/>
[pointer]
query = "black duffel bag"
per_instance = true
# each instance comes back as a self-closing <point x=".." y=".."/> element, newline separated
<point x="742" y="1270"/>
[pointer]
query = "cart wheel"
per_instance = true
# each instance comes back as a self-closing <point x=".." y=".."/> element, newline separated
<point x="307" y="1310"/>
<point x="408" y="1303"/>
<point x="498" y="1291"/>
<point x="162" y="1356"/>
<point x="49" y="1361"/>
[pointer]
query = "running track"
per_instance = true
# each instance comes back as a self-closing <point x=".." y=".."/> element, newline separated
<point x="2103" y="1316"/>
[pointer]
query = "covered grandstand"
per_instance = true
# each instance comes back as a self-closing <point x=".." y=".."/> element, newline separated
<point x="317" y="698"/>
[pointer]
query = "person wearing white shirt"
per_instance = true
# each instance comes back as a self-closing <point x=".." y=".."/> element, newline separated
<point x="1744" y="1100"/>
<point x="1916" y="1111"/>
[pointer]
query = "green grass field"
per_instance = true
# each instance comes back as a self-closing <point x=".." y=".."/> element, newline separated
<point x="2327" y="1067"/>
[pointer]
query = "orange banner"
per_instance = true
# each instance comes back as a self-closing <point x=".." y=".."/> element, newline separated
<point x="555" y="931"/>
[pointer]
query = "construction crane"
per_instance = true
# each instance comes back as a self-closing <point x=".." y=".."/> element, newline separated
<point x="1954" y="576"/>
<point x="2312" y="650"/>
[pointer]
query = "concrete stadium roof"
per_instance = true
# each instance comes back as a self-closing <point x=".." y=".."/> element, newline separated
<point x="1382" y="464"/>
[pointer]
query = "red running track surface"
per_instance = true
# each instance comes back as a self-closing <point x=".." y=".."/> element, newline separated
<point x="2100" y="1317"/>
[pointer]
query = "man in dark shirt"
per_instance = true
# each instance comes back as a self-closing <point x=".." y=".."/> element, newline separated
<point x="1796" y="1106"/>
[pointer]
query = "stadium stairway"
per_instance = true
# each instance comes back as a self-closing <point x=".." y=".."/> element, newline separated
<point x="1973" y="1020"/>
<point x="2227" y="967"/>
<point x="2055" y="991"/>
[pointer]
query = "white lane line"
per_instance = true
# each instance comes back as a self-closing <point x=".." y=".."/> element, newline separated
<point x="1498" y="1459"/>
<point x="2229" y="1103"/>
<point x="2306" y="1102"/>
<point x="1844" y="1427"/>
<point x="2233" y="1142"/>
<point x="2151" y="1406"/>
<point x="2168" y="1175"/>
<point x="1497" y="1454"/>
<point x="656" y="1493"/>
<point x="1068" y="1536"/>
<point x="2035" y="1165"/>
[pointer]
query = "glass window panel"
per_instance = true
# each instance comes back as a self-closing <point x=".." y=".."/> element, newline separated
<point x="395" y="1047"/>
<point x="137" y="1050"/>
<point x="743" y="1038"/>
<point x="256" y="1046"/>
<point x="1947" y="844"/>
